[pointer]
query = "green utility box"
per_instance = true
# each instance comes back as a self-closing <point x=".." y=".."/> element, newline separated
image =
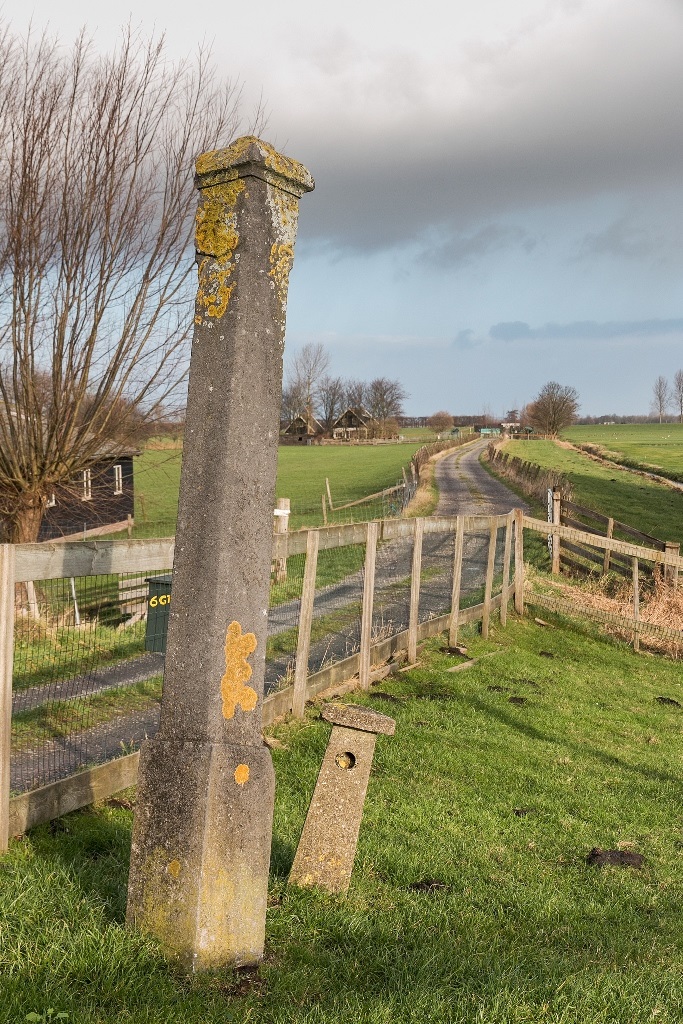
<point x="158" y="604"/>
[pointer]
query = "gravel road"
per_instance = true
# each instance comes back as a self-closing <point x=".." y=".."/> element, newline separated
<point x="465" y="487"/>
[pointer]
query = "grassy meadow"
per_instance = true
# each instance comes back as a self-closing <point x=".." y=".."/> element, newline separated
<point x="354" y="471"/>
<point x="471" y="902"/>
<point x="644" y="504"/>
<point x="655" y="446"/>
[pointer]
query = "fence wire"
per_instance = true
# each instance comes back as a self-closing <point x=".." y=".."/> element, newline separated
<point x="391" y="608"/>
<point x="89" y="652"/>
<point x="436" y="577"/>
<point x="335" y="632"/>
<point x="87" y="673"/>
<point x="287" y="579"/>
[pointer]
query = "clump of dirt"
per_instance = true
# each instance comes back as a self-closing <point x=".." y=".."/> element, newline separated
<point x="617" y="858"/>
<point x="429" y="885"/>
<point x="521" y="812"/>
<point x="546" y="654"/>
<point x="517" y="700"/>
<point x="668" y="700"/>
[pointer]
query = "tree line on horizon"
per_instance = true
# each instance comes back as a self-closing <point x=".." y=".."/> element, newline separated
<point x="311" y="391"/>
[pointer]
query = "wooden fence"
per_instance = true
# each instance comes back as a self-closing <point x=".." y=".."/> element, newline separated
<point x="584" y="558"/>
<point x="20" y="564"/>
<point x="35" y="562"/>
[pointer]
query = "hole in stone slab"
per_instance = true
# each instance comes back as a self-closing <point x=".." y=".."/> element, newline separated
<point x="346" y="760"/>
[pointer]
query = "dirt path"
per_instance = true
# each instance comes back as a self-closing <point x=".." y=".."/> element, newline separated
<point x="465" y="487"/>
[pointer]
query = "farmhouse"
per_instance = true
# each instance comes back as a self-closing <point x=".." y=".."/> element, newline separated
<point x="355" y="423"/>
<point x="100" y="499"/>
<point x="303" y="429"/>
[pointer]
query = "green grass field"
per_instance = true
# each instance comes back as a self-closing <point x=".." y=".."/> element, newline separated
<point x="354" y="472"/>
<point x="650" y="445"/>
<point x="471" y="900"/>
<point x="653" y="508"/>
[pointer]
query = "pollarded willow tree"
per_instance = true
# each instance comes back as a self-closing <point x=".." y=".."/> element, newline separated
<point x="96" y="259"/>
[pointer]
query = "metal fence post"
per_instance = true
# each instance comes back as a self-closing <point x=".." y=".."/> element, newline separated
<point x="282" y="511"/>
<point x="368" y="601"/>
<point x="6" y="656"/>
<point x="305" y="622"/>
<point x="415" y="590"/>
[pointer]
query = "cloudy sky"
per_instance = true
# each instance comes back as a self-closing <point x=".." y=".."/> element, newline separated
<point x="499" y="185"/>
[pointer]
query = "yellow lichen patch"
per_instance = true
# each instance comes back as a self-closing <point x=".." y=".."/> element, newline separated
<point x="216" y="226"/>
<point x="241" y="774"/>
<point x="281" y="259"/>
<point x="249" y="148"/>
<point x="174" y="869"/>
<point x="214" y="288"/>
<point x="238" y="647"/>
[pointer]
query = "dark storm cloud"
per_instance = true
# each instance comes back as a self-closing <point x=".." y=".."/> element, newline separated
<point x="589" y="111"/>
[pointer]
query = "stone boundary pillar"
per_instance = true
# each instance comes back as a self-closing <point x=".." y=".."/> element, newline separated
<point x="203" y="823"/>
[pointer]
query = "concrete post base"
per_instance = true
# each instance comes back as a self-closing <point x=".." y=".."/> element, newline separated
<point x="201" y="848"/>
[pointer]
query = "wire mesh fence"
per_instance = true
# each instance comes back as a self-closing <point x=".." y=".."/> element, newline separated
<point x="89" y="650"/>
<point x="87" y="672"/>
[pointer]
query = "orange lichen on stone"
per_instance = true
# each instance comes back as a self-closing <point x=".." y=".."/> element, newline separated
<point x="174" y="869"/>
<point x="235" y="692"/>
<point x="241" y="774"/>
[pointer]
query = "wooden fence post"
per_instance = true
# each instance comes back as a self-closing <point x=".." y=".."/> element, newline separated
<point x="457" y="581"/>
<point x="608" y="535"/>
<point x="636" y="606"/>
<point x="324" y="511"/>
<point x="6" y="654"/>
<point x="329" y="494"/>
<point x="282" y="510"/>
<point x="507" y="554"/>
<point x="488" y="587"/>
<point x="672" y="547"/>
<point x="519" y="561"/>
<point x="415" y="590"/>
<point x="305" y="622"/>
<point x="557" y="512"/>
<point x="368" y="601"/>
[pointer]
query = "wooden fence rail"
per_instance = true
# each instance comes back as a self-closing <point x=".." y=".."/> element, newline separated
<point x="35" y="562"/>
<point x="30" y="562"/>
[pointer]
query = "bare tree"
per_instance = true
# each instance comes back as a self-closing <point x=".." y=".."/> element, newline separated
<point x="554" y="408"/>
<point x="331" y="394"/>
<point x="678" y="393"/>
<point x="440" y="421"/>
<point x="96" y="265"/>
<point x="356" y="394"/>
<point x="661" y="397"/>
<point x="385" y="399"/>
<point x="304" y="374"/>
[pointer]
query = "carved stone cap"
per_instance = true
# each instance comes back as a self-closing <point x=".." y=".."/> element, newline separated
<point x="252" y="157"/>
<point x="351" y="716"/>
